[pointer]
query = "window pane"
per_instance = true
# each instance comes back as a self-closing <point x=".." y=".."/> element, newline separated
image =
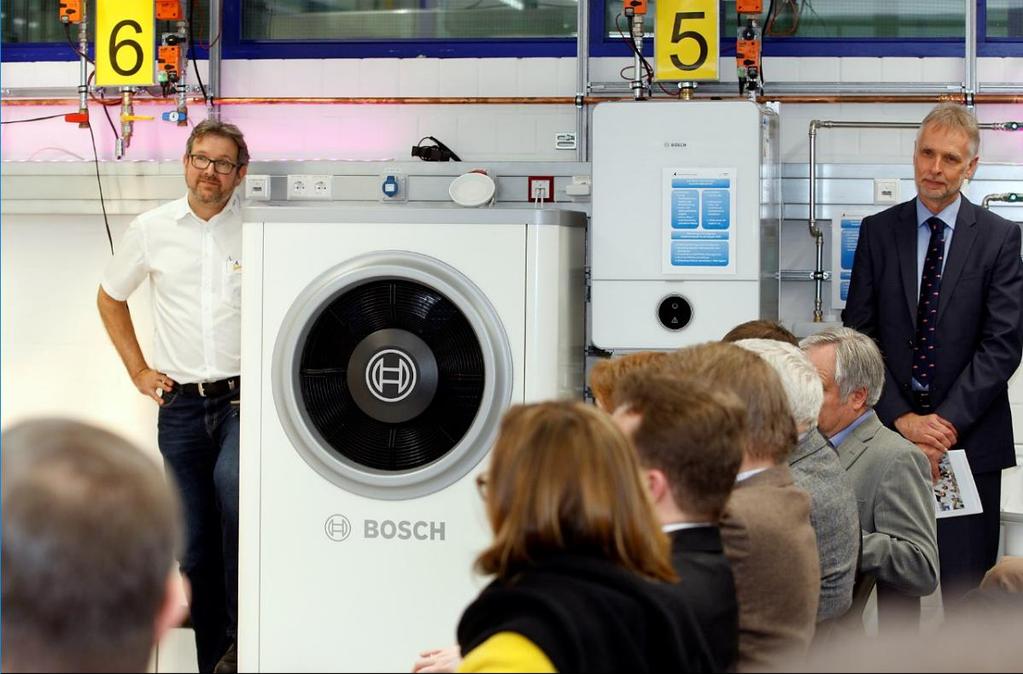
<point x="1005" y="18"/>
<point x="837" y="19"/>
<point x="37" y="21"/>
<point x="406" y="19"/>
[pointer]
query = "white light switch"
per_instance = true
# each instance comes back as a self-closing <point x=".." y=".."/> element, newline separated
<point x="257" y="188"/>
<point x="886" y="190"/>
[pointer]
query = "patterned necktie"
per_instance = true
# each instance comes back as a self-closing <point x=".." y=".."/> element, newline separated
<point x="924" y="350"/>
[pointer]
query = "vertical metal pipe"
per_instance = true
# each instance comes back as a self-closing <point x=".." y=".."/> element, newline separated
<point x="636" y="31"/>
<point x="127" y="124"/>
<point x="213" y="91"/>
<point x="818" y="274"/>
<point x="182" y="86"/>
<point x="970" y="83"/>
<point x="582" y="80"/>
<point x="83" y="77"/>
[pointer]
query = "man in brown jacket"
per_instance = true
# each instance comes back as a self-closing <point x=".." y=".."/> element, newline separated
<point x="766" y="526"/>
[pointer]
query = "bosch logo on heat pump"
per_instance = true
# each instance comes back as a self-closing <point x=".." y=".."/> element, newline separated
<point x="338" y="528"/>
<point x="391" y="375"/>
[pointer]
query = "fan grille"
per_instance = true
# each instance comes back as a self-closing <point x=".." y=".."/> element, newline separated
<point x="323" y="367"/>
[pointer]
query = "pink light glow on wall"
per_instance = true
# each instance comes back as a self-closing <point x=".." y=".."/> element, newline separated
<point x="295" y="132"/>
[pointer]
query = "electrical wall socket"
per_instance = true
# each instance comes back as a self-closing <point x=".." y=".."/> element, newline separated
<point x="310" y="188"/>
<point x="393" y="187"/>
<point x="886" y="190"/>
<point x="257" y="188"/>
<point x="541" y="188"/>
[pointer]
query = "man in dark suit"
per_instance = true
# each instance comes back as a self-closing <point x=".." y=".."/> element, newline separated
<point x="689" y="439"/>
<point x="949" y="349"/>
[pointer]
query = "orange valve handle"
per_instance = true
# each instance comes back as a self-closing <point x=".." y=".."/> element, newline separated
<point x="638" y="7"/>
<point x="70" y="11"/>
<point x="168" y="10"/>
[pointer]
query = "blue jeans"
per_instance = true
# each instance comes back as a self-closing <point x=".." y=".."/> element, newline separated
<point x="198" y="438"/>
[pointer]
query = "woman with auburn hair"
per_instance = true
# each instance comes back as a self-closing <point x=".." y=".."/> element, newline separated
<point x="608" y="372"/>
<point x="578" y="556"/>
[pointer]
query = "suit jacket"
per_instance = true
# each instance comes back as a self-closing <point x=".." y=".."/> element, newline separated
<point x="707" y="586"/>
<point x="816" y="470"/>
<point x="892" y="481"/>
<point x="980" y="316"/>
<point x="769" y="541"/>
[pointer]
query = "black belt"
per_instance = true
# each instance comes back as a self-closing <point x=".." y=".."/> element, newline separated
<point x="211" y="389"/>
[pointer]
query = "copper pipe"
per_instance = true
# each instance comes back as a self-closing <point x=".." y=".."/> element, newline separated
<point x="450" y="100"/>
<point x="909" y="98"/>
<point x="545" y="100"/>
<point x="68" y="101"/>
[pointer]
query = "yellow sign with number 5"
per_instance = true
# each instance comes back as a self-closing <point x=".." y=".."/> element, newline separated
<point x="125" y="35"/>
<point x="687" y="40"/>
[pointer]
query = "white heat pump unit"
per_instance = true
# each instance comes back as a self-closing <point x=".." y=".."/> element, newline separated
<point x="686" y="217"/>
<point x="380" y="348"/>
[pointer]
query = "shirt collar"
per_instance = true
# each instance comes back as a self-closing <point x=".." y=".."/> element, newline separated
<point x="838" y="438"/>
<point x="678" y="526"/>
<point x="746" y="474"/>
<point x="232" y="207"/>
<point x="947" y="215"/>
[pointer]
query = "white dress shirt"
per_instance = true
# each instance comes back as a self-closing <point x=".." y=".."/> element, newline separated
<point x="194" y="269"/>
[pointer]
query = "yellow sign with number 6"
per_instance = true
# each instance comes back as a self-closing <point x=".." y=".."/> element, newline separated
<point x="687" y="40"/>
<point x="125" y="35"/>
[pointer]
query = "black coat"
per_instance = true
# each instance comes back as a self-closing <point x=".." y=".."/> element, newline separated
<point x="707" y="587"/>
<point x="589" y="615"/>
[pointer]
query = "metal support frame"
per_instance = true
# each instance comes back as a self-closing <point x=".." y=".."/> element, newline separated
<point x="213" y="87"/>
<point x="819" y="275"/>
<point x="582" y="75"/>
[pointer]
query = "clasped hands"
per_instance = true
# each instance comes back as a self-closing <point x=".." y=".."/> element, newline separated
<point x="931" y="433"/>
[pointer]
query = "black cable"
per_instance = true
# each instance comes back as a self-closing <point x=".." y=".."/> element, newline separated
<point x="74" y="47"/>
<point x="632" y="47"/>
<point x="191" y="50"/>
<point x="102" y="202"/>
<point x="92" y="136"/>
<point x="33" y="119"/>
<point x="106" y="111"/>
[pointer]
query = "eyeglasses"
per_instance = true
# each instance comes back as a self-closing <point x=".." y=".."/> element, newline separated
<point x="481" y="485"/>
<point x="202" y="162"/>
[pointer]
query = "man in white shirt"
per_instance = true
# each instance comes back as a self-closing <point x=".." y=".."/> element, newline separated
<point x="190" y="250"/>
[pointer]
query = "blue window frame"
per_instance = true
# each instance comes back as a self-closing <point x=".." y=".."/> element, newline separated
<point x="235" y="47"/>
<point x="603" y="44"/>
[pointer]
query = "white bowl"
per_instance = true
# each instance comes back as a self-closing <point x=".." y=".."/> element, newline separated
<point x="472" y="190"/>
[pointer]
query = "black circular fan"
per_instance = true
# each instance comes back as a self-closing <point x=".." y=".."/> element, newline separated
<point x="353" y="332"/>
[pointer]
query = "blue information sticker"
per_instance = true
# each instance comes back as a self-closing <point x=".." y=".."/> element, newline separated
<point x="690" y="235"/>
<point x="685" y="209"/>
<point x="844" y="278"/>
<point x="699" y="253"/>
<point x="850" y="236"/>
<point x="700" y="183"/>
<point x="716" y="209"/>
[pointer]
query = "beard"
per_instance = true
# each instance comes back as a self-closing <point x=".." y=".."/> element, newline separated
<point x="208" y="192"/>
